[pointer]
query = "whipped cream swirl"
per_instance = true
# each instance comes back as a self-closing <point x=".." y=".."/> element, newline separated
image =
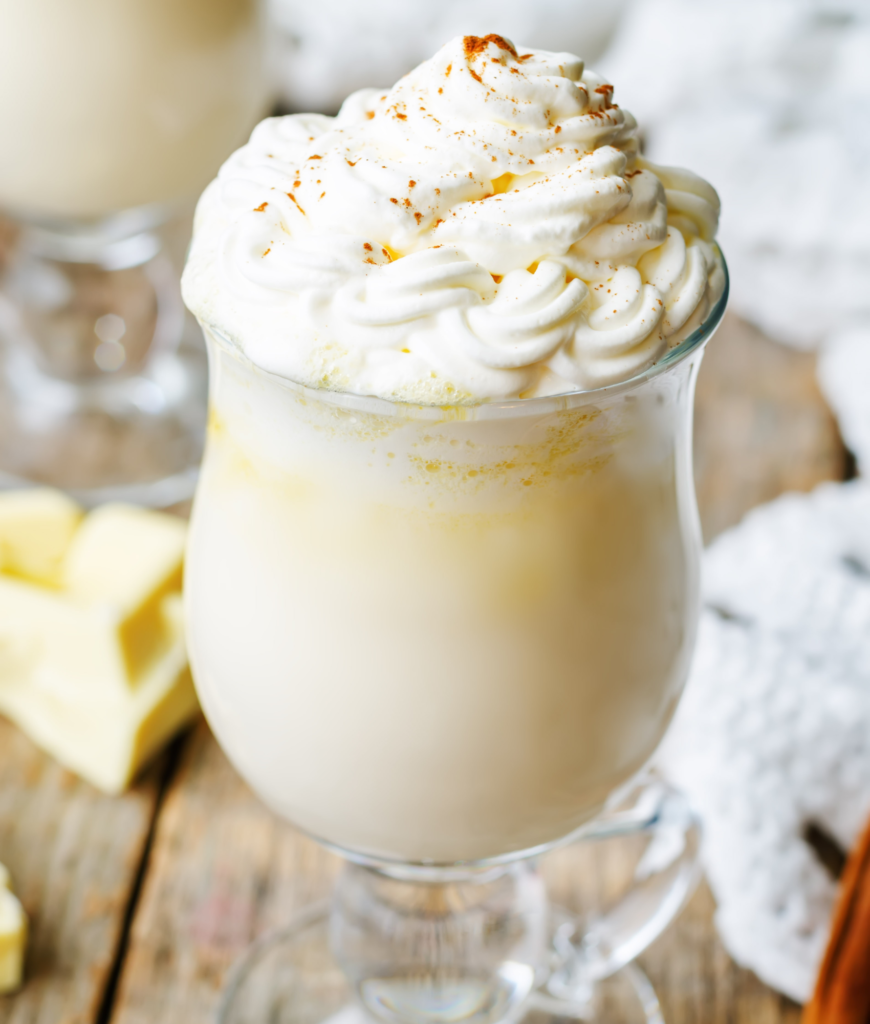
<point x="485" y="229"/>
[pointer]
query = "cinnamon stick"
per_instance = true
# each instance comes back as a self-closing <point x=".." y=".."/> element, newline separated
<point x="842" y="994"/>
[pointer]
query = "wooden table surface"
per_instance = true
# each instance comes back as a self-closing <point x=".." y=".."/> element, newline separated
<point x="139" y="904"/>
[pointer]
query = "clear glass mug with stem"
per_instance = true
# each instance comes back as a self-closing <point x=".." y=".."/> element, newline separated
<point x="443" y="641"/>
<point x="113" y="117"/>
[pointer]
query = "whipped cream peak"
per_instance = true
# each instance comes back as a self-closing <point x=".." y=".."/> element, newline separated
<point x="484" y="229"/>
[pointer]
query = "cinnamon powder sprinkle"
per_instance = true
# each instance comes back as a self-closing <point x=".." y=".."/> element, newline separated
<point x="449" y="69"/>
<point x="402" y="117"/>
<point x="418" y="217"/>
<point x="473" y="45"/>
<point x="411" y="183"/>
<point x="396" y="201"/>
<point x="292" y="198"/>
<point x="370" y="114"/>
<point x="315" y="157"/>
<point x="260" y="208"/>
<point x="367" y="247"/>
<point x="350" y="163"/>
<point x="558" y="128"/>
<point x="266" y="253"/>
<point x="475" y="75"/>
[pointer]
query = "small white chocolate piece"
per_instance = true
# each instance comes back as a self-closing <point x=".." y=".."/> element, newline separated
<point x="13" y="936"/>
<point x="36" y="527"/>
<point x="104" y="733"/>
<point x="126" y="560"/>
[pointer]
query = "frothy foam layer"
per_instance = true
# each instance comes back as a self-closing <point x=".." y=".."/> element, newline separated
<point x="485" y="229"/>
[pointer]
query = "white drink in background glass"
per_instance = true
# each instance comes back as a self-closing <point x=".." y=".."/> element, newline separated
<point x="111" y="104"/>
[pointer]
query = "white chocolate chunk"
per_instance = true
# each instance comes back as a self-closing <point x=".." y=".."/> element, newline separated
<point x="93" y="665"/>
<point x="47" y="640"/>
<point x="13" y="936"/>
<point x="102" y="734"/>
<point x="36" y="528"/>
<point x="126" y="560"/>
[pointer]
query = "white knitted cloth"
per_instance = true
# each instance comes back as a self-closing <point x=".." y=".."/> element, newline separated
<point x="770" y="101"/>
<point x="773" y="734"/>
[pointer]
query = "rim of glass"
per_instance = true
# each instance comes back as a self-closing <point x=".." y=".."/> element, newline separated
<point x="504" y="407"/>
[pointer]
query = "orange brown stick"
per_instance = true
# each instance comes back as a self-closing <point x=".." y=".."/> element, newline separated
<point x="842" y="994"/>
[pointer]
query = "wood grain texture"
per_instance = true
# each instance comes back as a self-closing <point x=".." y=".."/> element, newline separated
<point x="761" y="426"/>
<point x="223" y="870"/>
<point x="74" y="854"/>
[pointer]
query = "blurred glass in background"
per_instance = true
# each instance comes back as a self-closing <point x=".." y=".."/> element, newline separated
<point x="113" y="117"/>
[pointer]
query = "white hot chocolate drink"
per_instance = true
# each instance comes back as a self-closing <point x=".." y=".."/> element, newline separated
<point x="443" y="570"/>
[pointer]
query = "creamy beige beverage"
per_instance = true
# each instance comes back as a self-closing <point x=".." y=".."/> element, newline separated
<point x="440" y="635"/>
<point x="442" y="573"/>
<point x="106" y="105"/>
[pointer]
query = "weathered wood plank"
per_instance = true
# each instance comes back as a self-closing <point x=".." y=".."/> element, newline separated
<point x="223" y="870"/>
<point x="698" y="983"/>
<point x="74" y="855"/>
<point x="761" y="426"/>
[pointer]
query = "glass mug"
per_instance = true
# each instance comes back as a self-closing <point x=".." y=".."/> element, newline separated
<point x="443" y="641"/>
<point x="114" y="117"/>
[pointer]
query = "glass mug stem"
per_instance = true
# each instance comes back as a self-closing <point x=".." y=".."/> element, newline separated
<point x="434" y="952"/>
<point x="95" y="394"/>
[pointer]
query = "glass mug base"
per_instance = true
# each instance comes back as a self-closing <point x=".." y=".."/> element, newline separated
<point x="291" y="977"/>
<point x="486" y="946"/>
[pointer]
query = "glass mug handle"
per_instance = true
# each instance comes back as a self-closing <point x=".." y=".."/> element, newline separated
<point x="664" y="878"/>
